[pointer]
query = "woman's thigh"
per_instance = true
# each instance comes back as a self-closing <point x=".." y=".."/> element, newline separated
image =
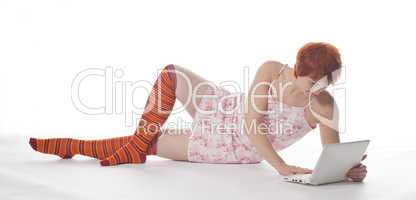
<point x="187" y="86"/>
<point x="173" y="144"/>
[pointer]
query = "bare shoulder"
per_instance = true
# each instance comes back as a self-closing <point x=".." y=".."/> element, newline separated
<point x="324" y="104"/>
<point x="272" y="65"/>
<point x="270" y="68"/>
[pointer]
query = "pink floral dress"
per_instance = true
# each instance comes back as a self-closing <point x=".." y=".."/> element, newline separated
<point x="218" y="134"/>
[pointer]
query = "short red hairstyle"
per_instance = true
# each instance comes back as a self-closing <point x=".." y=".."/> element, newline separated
<point x="316" y="60"/>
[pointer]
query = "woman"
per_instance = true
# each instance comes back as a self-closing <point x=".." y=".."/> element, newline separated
<point x="294" y="102"/>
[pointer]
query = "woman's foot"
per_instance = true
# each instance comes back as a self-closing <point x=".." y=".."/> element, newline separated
<point x="54" y="146"/>
<point x="66" y="148"/>
<point x="124" y="158"/>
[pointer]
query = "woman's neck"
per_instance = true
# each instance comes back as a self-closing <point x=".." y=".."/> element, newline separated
<point x="293" y="89"/>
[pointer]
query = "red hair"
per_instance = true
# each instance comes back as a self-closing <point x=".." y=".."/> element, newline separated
<point x="316" y="60"/>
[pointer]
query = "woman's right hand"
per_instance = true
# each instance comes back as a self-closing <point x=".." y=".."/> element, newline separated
<point x="286" y="170"/>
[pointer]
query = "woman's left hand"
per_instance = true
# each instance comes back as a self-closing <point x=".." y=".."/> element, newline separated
<point x="358" y="172"/>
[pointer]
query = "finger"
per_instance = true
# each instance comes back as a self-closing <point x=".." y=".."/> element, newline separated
<point x="357" y="170"/>
<point x="364" y="157"/>
<point x="297" y="170"/>
<point x="362" y="175"/>
<point x="357" y="179"/>
<point x="358" y="176"/>
<point x="286" y="173"/>
<point x="357" y="165"/>
<point x="304" y="170"/>
<point x="355" y="173"/>
<point x="361" y="169"/>
<point x="352" y="170"/>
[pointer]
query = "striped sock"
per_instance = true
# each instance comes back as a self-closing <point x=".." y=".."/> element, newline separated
<point x="158" y="107"/>
<point x="152" y="150"/>
<point x="67" y="148"/>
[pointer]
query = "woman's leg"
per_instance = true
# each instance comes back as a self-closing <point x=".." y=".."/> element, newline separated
<point x="173" y="144"/>
<point x="188" y="82"/>
<point x="66" y="148"/>
<point x="173" y="82"/>
<point x="102" y="148"/>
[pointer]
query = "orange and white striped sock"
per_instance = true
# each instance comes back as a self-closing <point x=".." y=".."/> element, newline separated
<point x="157" y="110"/>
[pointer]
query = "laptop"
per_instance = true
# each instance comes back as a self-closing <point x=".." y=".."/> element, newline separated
<point x="333" y="164"/>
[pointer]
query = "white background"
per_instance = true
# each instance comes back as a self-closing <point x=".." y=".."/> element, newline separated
<point x="44" y="44"/>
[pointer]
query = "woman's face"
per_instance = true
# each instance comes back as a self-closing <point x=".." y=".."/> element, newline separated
<point x="309" y="85"/>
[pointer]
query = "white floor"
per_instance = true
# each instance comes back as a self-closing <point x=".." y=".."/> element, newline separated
<point x="25" y="174"/>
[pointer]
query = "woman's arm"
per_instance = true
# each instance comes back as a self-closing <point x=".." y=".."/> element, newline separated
<point x="256" y="104"/>
<point x="325" y="111"/>
<point x="328" y="118"/>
